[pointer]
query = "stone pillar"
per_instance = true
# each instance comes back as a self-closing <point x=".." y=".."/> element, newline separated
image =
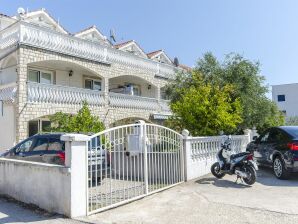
<point x="75" y="159"/>
<point x="21" y="98"/>
<point x="187" y="155"/>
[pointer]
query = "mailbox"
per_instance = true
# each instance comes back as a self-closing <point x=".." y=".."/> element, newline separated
<point x="133" y="144"/>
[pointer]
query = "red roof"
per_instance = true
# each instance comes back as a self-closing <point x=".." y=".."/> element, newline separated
<point x="152" y="54"/>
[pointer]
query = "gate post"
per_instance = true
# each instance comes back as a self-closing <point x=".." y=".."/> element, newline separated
<point x="76" y="146"/>
<point x="187" y="154"/>
<point x="143" y="136"/>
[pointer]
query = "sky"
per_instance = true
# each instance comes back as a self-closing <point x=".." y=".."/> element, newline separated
<point x="260" y="30"/>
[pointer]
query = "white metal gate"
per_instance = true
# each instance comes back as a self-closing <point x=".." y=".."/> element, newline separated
<point x="131" y="161"/>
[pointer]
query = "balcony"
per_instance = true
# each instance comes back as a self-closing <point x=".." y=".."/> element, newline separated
<point x="8" y="92"/>
<point x="24" y="33"/>
<point x="57" y="94"/>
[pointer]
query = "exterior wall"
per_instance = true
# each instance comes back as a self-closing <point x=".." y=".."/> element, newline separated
<point x="29" y="56"/>
<point x="8" y="75"/>
<point x="44" y="185"/>
<point x="7" y="127"/>
<point x="290" y="105"/>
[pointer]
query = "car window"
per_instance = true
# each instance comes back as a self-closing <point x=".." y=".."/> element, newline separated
<point x="25" y="147"/>
<point x="40" y="145"/>
<point x="277" y="135"/>
<point x="264" y="137"/>
<point x="56" y="145"/>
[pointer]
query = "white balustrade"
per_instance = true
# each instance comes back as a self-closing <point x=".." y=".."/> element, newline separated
<point x="44" y="38"/>
<point x="133" y="102"/>
<point x="8" y="92"/>
<point x="45" y="93"/>
<point x="207" y="147"/>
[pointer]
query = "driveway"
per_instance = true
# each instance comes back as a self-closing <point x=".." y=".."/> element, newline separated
<point x="208" y="200"/>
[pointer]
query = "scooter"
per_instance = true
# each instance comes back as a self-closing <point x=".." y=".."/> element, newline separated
<point x="241" y="164"/>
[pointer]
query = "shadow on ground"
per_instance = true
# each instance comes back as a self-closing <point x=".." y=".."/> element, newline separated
<point x="12" y="211"/>
<point x="265" y="176"/>
<point x="222" y="182"/>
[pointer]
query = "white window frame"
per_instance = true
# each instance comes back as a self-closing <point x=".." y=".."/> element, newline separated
<point x="135" y="86"/>
<point x="93" y="80"/>
<point x="40" y="71"/>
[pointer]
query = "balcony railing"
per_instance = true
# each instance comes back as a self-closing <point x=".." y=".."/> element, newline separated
<point x="8" y="92"/>
<point x="56" y="94"/>
<point x="32" y="35"/>
<point x="45" y="93"/>
<point x="133" y="102"/>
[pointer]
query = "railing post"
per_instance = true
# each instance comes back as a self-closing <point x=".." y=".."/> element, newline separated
<point x="143" y="136"/>
<point x="76" y="148"/>
<point x="187" y="154"/>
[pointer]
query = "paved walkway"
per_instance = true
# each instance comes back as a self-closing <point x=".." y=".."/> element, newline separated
<point x="206" y="201"/>
<point x="13" y="212"/>
<point x="209" y="200"/>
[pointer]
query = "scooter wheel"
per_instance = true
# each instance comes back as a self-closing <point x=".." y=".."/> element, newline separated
<point x="215" y="170"/>
<point x="252" y="175"/>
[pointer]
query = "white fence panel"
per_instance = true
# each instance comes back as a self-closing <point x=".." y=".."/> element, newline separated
<point x="200" y="153"/>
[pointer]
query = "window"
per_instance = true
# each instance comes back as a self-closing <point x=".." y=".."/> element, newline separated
<point x="38" y="126"/>
<point x="40" y="76"/>
<point x="33" y="128"/>
<point x="281" y="98"/>
<point x="264" y="138"/>
<point x="93" y="84"/>
<point x="41" y="144"/>
<point x="132" y="89"/>
<point x="56" y="145"/>
<point x="277" y="135"/>
<point x="25" y="147"/>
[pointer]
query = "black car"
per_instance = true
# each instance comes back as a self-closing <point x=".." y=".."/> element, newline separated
<point x="277" y="147"/>
<point x="46" y="148"/>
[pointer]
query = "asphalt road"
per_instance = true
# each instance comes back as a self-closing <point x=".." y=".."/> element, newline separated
<point x="206" y="200"/>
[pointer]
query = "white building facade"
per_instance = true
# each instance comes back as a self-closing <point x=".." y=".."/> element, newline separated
<point x="286" y="98"/>
<point x="44" y="70"/>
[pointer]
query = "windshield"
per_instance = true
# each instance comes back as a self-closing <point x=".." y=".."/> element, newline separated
<point x="292" y="131"/>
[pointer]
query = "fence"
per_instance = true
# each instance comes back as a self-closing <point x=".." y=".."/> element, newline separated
<point x="200" y="152"/>
<point x="163" y="159"/>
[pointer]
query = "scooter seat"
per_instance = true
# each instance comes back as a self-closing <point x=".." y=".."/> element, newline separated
<point x="239" y="155"/>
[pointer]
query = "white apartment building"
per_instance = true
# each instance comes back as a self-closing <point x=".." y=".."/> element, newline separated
<point x="286" y="98"/>
<point x="45" y="69"/>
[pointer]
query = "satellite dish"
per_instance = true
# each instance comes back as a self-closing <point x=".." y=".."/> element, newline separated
<point x="21" y="11"/>
<point x="176" y="62"/>
<point x="112" y="35"/>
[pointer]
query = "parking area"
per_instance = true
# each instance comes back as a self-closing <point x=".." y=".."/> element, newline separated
<point x="206" y="200"/>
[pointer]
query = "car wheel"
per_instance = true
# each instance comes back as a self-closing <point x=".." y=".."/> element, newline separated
<point x="279" y="168"/>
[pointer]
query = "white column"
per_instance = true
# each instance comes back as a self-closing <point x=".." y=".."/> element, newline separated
<point x="76" y="160"/>
<point x="187" y="154"/>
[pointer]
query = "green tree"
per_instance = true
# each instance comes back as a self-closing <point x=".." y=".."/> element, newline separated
<point x="83" y="121"/>
<point x="244" y="75"/>
<point x="201" y="107"/>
